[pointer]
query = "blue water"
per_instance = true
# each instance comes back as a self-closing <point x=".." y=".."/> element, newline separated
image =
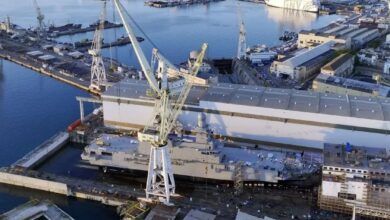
<point x="176" y="31"/>
<point x="34" y="107"/>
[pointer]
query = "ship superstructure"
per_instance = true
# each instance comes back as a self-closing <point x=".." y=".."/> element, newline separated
<point x="201" y="157"/>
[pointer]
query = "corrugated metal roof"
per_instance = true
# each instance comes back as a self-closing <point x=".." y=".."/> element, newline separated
<point x="305" y="101"/>
<point x="337" y="62"/>
<point x="308" y="55"/>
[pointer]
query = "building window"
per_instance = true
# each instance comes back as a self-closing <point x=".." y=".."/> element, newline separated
<point x="106" y="154"/>
<point x="347" y="196"/>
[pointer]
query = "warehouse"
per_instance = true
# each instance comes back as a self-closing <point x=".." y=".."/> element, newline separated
<point x="340" y="85"/>
<point x="262" y="115"/>
<point x="340" y="66"/>
<point x="351" y="37"/>
<point x="303" y="65"/>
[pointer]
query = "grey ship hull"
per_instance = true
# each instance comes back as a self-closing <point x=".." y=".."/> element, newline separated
<point x="190" y="160"/>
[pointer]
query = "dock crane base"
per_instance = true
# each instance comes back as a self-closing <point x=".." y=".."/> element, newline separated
<point x="160" y="182"/>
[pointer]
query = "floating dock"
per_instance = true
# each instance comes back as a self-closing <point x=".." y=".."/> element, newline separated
<point x="118" y="42"/>
<point x="165" y="4"/>
<point x="107" y="25"/>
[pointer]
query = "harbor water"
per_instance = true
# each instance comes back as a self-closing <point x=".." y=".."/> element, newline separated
<point x="34" y="107"/>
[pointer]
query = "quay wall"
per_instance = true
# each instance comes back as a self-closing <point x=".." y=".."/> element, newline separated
<point x="33" y="183"/>
<point x="44" y="151"/>
<point x="54" y="187"/>
<point x="102" y="199"/>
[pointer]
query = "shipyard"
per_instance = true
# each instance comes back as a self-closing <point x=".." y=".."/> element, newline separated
<point x="193" y="110"/>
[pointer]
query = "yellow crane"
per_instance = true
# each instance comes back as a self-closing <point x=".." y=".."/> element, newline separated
<point x="170" y="95"/>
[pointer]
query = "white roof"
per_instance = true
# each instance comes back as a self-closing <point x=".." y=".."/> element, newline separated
<point x="198" y="215"/>
<point x="244" y="216"/>
<point x="274" y="98"/>
<point x="76" y="54"/>
<point x="35" y="53"/>
<point x="308" y="55"/>
<point x="47" y="57"/>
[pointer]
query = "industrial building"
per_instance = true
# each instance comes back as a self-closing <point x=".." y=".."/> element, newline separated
<point x="343" y="86"/>
<point x="280" y="117"/>
<point x="351" y="37"/>
<point x="355" y="180"/>
<point x="340" y="66"/>
<point x="304" y="64"/>
<point x="368" y="57"/>
<point x="386" y="67"/>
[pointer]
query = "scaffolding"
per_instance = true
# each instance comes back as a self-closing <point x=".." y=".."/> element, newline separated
<point x="373" y="204"/>
<point x="133" y="211"/>
<point x="238" y="178"/>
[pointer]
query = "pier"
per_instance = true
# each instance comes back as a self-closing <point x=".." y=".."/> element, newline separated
<point x="10" y="56"/>
<point x="61" y="65"/>
<point x="43" y="151"/>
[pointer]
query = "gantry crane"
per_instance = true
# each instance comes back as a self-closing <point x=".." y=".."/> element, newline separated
<point x="98" y="70"/>
<point x="40" y="18"/>
<point x="160" y="181"/>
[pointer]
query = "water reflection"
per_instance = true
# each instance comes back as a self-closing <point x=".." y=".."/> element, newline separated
<point x="292" y="20"/>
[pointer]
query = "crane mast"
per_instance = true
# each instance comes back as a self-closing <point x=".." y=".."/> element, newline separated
<point x="98" y="70"/>
<point x="40" y="18"/>
<point x="241" y="53"/>
<point x="168" y="106"/>
<point x="137" y="49"/>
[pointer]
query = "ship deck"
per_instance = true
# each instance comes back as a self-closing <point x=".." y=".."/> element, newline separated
<point x="258" y="159"/>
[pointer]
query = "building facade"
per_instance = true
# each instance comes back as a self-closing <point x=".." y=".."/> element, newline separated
<point x="304" y="64"/>
<point x="281" y="117"/>
<point x="340" y="66"/>
<point x="356" y="180"/>
<point x="345" y="86"/>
